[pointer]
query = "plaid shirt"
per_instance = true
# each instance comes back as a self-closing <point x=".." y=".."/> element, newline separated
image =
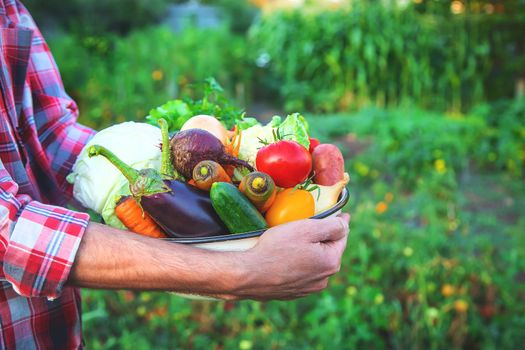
<point x="39" y="142"/>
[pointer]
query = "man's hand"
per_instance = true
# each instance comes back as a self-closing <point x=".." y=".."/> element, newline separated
<point x="294" y="259"/>
<point x="289" y="261"/>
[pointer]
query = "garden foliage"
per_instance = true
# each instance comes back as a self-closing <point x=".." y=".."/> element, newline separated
<point x="436" y="252"/>
<point x="319" y="61"/>
<point x="435" y="257"/>
<point x="97" y="18"/>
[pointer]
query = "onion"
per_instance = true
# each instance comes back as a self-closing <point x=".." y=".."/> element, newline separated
<point x="329" y="195"/>
<point x="208" y="123"/>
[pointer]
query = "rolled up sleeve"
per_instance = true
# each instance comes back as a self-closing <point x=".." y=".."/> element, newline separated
<point x="39" y="242"/>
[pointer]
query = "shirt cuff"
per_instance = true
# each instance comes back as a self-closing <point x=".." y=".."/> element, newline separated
<point x="42" y="248"/>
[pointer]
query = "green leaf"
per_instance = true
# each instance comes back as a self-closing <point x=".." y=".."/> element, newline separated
<point x="214" y="103"/>
<point x="295" y="128"/>
<point x="175" y="112"/>
<point x="213" y="86"/>
<point x="246" y="123"/>
<point x="276" y="121"/>
<point x="239" y="173"/>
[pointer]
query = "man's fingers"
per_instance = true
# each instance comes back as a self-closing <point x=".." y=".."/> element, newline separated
<point x="336" y="248"/>
<point x="330" y="229"/>
<point x="345" y="217"/>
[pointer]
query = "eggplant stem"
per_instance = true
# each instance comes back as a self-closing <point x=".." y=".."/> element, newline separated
<point x="132" y="175"/>
<point x="166" y="167"/>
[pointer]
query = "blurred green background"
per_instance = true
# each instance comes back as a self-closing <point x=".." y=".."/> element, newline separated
<point x="426" y="99"/>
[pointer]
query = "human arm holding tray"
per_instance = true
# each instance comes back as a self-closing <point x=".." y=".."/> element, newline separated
<point x="289" y="261"/>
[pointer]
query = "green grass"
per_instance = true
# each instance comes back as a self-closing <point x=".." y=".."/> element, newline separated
<point x="435" y="258"/>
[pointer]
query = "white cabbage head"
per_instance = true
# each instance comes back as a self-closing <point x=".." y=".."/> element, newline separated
<point x="95" y="180"/>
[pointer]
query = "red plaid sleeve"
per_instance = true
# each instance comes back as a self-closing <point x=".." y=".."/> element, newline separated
<point x="38" y="242"/>
<point x="53" y="110"/>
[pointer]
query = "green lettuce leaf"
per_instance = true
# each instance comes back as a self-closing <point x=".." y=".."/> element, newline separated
<point x="247" y="123"/>
<point x="295" y="128"/>
<point x="276" y="121"/>
<point x="213" y="102"/>
<point x="108" y="211"/>
<point x="175" y="112"/>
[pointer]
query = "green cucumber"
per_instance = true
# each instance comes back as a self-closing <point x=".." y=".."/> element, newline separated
<point x="235" y="210"/>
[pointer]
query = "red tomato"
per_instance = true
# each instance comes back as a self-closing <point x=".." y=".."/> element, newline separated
<point x="313" y="143"/>
<point x="287" y="162"/>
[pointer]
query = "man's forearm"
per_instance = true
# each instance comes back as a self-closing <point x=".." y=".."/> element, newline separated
<point x="288" y="261"/>
<point x="114" y="259"/>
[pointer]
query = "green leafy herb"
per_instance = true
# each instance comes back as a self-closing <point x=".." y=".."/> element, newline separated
<point x="214" y="102"/>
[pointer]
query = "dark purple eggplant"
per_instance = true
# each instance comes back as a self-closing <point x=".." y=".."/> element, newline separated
<point x="178" y="208"/>
<point x="189" y="147"/>
<point x="190" y="212"/>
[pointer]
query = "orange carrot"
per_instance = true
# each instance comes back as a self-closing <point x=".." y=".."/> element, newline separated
<point x="237" y="148"/>
<point x="230" y="170"/>
<point x="260" y="189"/>
<point x="136" y="220"/>
<point x="207" y="172"/>
<point x="233" y="146"/>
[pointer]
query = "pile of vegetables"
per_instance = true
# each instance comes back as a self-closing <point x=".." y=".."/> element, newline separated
<point x="210" y="177"/>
